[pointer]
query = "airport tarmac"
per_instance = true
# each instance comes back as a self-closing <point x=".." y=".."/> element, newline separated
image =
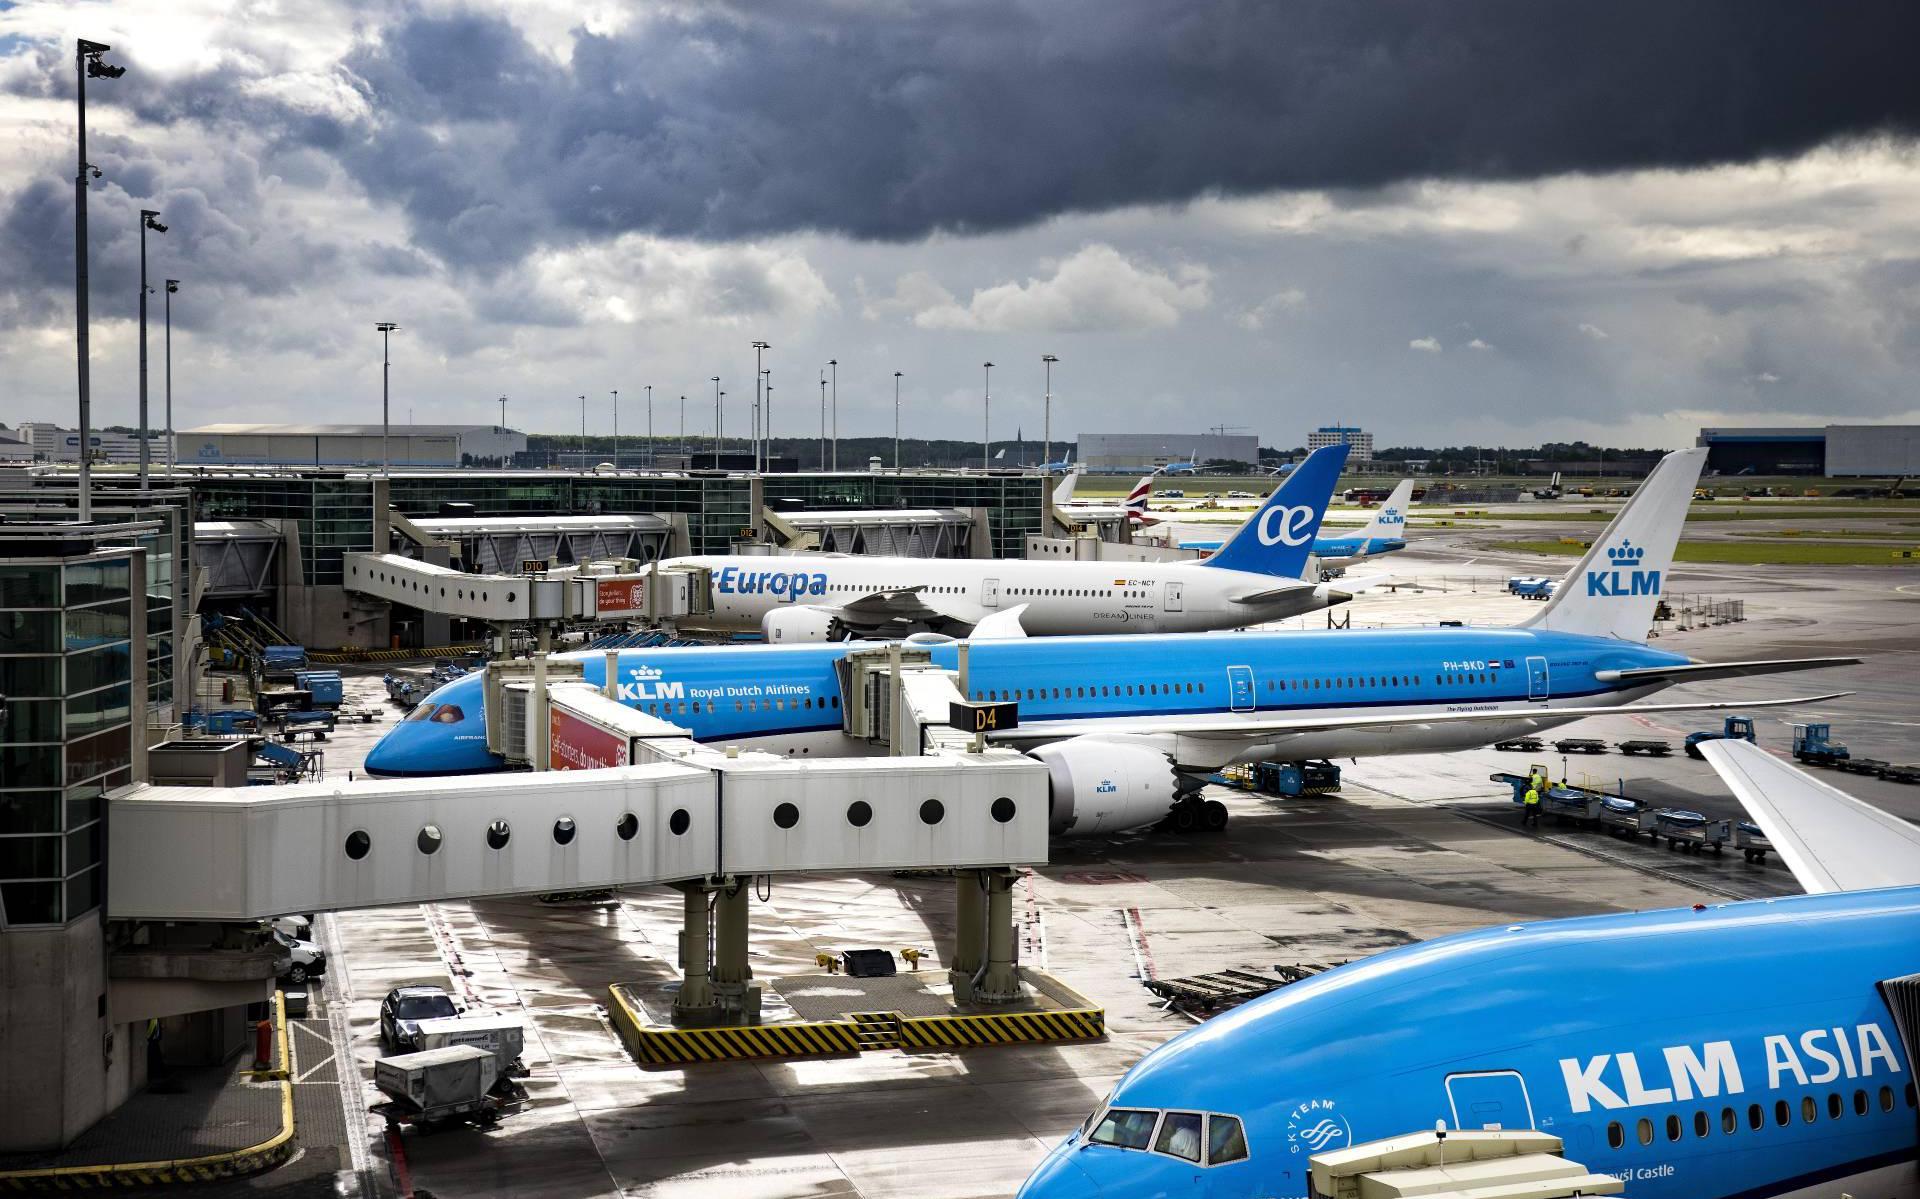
<point x="1410" y="848"/>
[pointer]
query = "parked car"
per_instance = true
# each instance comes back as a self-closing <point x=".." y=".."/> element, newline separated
<point x="299" y="960"/>
<point x="403" y="1010"/>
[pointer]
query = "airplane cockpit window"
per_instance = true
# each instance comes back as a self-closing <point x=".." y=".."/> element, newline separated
<point x="1124" y="1128"/>
<point x="1226" y="1142"/>
<point x="1179" y="1136"/>
<point x="423" y="712"/>
<point x="449" y="714"/>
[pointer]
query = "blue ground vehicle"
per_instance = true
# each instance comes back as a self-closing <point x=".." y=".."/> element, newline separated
<point x="1736" y="728"/>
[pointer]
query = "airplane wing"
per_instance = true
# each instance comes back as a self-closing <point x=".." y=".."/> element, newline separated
<point x="1280" y="723"/>
<point x="1352" y="583"/>
<point x="1003" y="625"/>
<point x="1698" y="672"/>
<point x="883" y="611"/>
<point x="1830" y="840"/>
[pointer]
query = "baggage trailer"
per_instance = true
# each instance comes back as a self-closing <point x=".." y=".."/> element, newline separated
<point x="1580" y="745"/>
<point x="1649" y="746"/>
<point x="1521" y="745"/>
<point x="436" y="1087"/>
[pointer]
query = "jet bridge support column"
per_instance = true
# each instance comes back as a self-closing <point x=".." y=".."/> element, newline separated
<point x="695" y="1005"/>
<point x="731" y="973"/>
<point x="1001" y="982"/>
<point x="969" y="933"/>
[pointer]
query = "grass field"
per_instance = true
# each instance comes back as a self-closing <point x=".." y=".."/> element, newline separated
<point x="1744" y="553"/>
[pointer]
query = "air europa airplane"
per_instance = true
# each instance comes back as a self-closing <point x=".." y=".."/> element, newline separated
<point x="1385" y="533"/>
<point x="1256" y="577"/>
<point x="1753" y="1049"/>
<point x="1127" y="725"/>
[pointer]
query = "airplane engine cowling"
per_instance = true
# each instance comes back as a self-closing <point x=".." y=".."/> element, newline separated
<point x="801" y="622"/>
<point x="1107" y="784"/>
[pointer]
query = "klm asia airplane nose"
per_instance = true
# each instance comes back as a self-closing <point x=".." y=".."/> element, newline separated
<point x="1059" y="1177"/>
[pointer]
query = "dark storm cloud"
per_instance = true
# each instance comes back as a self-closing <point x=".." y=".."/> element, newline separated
<point x="891" y="123"/>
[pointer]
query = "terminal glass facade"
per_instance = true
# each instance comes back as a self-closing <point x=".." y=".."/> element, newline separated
<point x="720" y="509"/>
<point x="71" y="631"/>
<point x="335" y="514"/>
<point x="1015" y="504"/>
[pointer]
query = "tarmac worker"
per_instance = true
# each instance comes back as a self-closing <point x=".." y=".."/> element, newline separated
<point x="1530" y="808"/>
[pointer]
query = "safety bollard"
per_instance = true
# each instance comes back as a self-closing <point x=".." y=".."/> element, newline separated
<point x="263" y="1045"/>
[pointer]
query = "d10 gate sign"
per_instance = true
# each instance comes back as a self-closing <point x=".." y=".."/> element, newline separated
<point x="576" y="744"/>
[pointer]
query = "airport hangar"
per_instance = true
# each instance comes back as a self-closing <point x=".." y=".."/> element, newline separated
<point x="1829" y="451"/>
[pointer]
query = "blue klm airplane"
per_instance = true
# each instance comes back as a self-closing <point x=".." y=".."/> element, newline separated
<point x="1763" y="1048"/>
<point x="1128" y="724"/>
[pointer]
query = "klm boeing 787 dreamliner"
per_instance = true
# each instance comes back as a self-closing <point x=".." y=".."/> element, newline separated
<point x="1743" y="1051"/>
<point x="1126" y="724"/>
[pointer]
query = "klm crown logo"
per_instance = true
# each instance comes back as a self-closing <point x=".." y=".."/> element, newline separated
<point x="1625" y="577"/>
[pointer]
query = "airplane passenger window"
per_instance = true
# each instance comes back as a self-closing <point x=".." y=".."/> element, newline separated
<point x="1836" y="1107"/>
<point x="1673" y="1128"/>
<point x="1781" y="1113"/>
<point x="1616" y="1135"/>
<point x="1124" y="1128"/>
<point x="1910" y="1095"/>
<point x="1754" y="1117"/>
<point x="1701" y="1125"/>
<point x="1644" y="1131"/>
<point x="449" y="714"/>
<point x="1179" y="1136"/>
<point x="1729" y="1123"/>
<point x="1225" y="1141"/>
<point x="1809" y="1109"/>
<point x="1886" y="1099"/>
<point x="1859" y="1103"/>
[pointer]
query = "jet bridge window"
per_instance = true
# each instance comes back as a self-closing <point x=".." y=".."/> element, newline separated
<point x="1124" y="1128"/>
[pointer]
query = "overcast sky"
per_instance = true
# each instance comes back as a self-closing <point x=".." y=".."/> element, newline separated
<point x="1478" y="221"/>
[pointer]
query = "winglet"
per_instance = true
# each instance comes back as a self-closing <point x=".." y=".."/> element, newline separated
<point x="1830" y="840"/>
<point x="1614" y="590"/>
<point x="1003" y="625"/>
<point x="1278" y="538"/>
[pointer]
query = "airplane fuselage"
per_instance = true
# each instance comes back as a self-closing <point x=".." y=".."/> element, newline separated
<point x="1061" y="598"/>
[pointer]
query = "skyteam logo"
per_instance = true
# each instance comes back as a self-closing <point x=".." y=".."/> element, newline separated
<point x="1315" y="1127"/>
<point x="1624" y="577"/>
<point x="1285" y="526"/>
<point x="782" y="584"/>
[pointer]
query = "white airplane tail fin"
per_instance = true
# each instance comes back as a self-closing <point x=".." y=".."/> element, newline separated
<point x="1063" y="494"/>
<point x="1614" y="590"/>
<point x="1390" y="518"/>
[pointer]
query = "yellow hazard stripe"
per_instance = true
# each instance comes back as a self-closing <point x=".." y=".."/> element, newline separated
<point x="345" y="656"/>
<point x="1002" y="1028"/>
<point x="211" y="1168"/>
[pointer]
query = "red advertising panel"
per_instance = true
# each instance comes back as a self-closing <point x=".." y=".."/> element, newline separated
<point x="576" y="744"/>
<point x="621" y="595"/>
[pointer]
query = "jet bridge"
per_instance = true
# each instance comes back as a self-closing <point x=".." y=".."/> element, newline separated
<point x="565" y="594"/>
<point x="499" y="544"/>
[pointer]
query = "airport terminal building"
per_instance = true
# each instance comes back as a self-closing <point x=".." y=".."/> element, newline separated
<point x="348" y="445"/>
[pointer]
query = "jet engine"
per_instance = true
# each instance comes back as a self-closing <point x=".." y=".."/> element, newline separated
<point x="801" y="622"/>
<point x="1107" y="784"/>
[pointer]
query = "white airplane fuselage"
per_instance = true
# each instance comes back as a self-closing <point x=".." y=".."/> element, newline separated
<point x="1060" y="598"/>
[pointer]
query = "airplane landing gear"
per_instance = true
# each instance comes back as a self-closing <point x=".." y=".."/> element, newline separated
<point x="1193" y="814"/>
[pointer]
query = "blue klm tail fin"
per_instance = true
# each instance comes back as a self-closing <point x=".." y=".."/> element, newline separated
<point x="1278" y="538"/>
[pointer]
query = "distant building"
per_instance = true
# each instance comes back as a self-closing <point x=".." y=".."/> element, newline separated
<point x="51" y="443"/>
<point x="1359" y="442"/>
<point x="348" y="445"/>
<point x="1836" y="451"/>
<point x="1119" y="452"/>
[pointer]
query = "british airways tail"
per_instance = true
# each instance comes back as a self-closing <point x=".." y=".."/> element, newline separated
<point x="1277" y="538"/>
<point x="1390" y="519"/>
<point x="1137" y="500"/>
<point x="1614" y="590"/>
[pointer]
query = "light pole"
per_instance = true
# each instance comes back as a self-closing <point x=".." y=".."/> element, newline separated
<point x="385" y="329"/>
<point x="683" y="424"/>
<point x="583" y="432"/>
<point x="87" y="64"/>
<point x="833" y="364"/>
<point x="1046" y="425"/>
<point x="503" y="412"/>
<point x="716" y="422"/>
<point x="616" y="428"/>
<point x="823" y="418"/>
<point x="766" y="424"/>
<point x="758" y="347"/>
<point x="986" y="421"/>
<point x="172" y="285"/>
<point x="649" y="426"/>
<point x="149" y="219"/>
<point x="896" y="422"/>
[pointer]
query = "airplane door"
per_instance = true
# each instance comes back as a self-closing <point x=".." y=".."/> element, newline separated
<point x="1240" y="687"/>
<point x="990" y="593"/>
<point x="1173" y="597"/>
<point x="1494" y="1099"/>
<point x="1536" y="678"/>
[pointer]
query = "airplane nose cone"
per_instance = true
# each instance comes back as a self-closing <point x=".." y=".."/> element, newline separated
<point x="1058" y="1177"/>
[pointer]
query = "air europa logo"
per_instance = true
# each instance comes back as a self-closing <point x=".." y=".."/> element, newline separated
<point x="793" y="584"/>
<point x="1624" y="577"/>
<point x="1285" y="526"/>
